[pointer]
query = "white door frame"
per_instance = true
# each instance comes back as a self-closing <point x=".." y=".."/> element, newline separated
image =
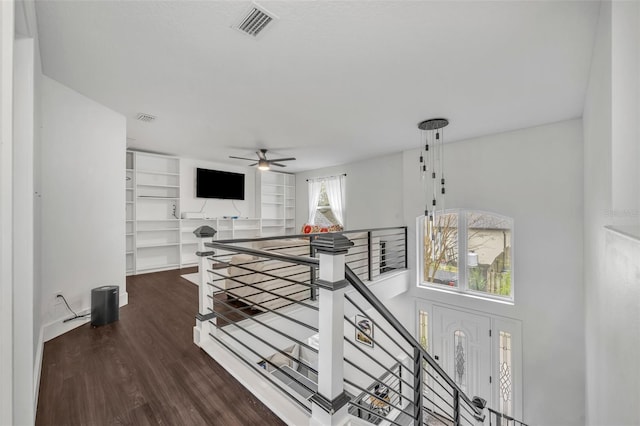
<point x="23" y="226"/>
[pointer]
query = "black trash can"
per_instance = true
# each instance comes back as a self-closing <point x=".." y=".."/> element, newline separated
<point x="105" y="303"/>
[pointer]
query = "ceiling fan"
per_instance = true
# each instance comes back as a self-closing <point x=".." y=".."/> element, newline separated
<point x="262" y="162"/>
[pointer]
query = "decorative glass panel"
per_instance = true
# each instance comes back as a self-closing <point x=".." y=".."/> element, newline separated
<point x="460" y="359"/>
<point x="489" y="253"/>
<point x="441" y="249"/>
<point x="424" y="329"/>
<point x="506" y="374"/>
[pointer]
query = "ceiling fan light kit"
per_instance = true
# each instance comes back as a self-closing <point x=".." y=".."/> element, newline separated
<point x="262" y="162"/>
<point x="263" y="165"/>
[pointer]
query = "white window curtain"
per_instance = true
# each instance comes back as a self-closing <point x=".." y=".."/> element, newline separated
<point x="335" y="193"/>
<point x="315" y="187"/>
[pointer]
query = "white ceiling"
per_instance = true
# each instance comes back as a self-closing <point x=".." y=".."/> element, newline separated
<point x="328" y="82"/>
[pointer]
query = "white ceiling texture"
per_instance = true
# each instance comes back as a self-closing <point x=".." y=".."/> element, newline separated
<point x="328" y="82"/>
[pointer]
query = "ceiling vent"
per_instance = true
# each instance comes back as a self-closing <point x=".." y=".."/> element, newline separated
<point x="147" y="118"/>
<point x="255" y="20"/>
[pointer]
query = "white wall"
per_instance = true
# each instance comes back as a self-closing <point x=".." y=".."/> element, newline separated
<point x="214" y="207"/>
<point x="6" y="221"/>
<point x="534" y="176"/>
<point x="597" y="205"/>
<point x="611" y="163"/>
<point x="83" y="203"/>
<point x="373" y="192"/>
<point x="625" y="109"/>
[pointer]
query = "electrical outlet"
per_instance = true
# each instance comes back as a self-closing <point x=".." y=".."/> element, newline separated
<point x="57" y="300"/>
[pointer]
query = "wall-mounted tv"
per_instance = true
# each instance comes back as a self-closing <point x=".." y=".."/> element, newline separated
<point x="219" y="184"/>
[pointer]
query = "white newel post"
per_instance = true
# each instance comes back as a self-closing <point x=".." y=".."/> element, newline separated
<point x="329" y="404"/>
<point x="202" y="327"/>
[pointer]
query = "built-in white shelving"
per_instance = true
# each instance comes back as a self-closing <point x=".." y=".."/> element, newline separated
<point x="156" y="239"/>
<point x="129" y="227"/>
<point x="153" y="209"/>
<point x="275" y="202"/>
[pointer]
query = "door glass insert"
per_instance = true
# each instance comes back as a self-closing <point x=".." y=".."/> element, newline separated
<point x="424" y="329"/>
<point x="460" y="358"/>
<point x="506" y="375"/>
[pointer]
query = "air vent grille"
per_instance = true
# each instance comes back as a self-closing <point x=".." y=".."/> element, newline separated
<point x="254" y="22"/>
<point x="147" y="118"/>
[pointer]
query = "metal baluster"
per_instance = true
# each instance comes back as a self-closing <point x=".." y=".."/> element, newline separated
<point x="417" y="387"/>
<point x="406" y="247"/>
<point x="456" y="407"/>
<point x="312" y="272"/>
<point x="369" y="255"/>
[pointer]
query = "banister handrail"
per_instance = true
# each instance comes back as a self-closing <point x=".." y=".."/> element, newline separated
<point x="300" y="260"/>
<point x="399" y="328"/>
<point x="315" y="234"/>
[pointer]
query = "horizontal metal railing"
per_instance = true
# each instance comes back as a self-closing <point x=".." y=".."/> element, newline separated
<point x="255" y="295"/>
<point x="434" y="396"/>
<point x="374" y="252"/>
<point x="500" y="419"/>
<point x="258" y="289"/>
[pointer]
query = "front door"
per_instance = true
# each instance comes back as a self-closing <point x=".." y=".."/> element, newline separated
<point x="461" y="344"/>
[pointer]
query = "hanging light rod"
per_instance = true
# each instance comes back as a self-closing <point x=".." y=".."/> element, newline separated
<point x="433" y="124"/>
<point x="326" y="177"/>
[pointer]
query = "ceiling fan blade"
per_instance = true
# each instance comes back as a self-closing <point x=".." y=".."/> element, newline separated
<point x="242" y="158"/>
<point x="254" y="164"/>
<point x="262" y="154"/>
<point x="277" y="164"/>
<point x="283" y="159"/>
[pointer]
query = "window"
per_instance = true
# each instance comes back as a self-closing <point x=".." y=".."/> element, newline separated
<point x="324" y="214"/>
<point x="326" y="201"/>
<point x="485" y="239"/>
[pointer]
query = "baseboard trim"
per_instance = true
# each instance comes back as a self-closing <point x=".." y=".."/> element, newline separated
<point x="57" y="328"/>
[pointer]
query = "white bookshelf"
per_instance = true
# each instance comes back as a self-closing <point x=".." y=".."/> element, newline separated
<point x="275" y="202"/>
<point x="155" y="209"/>
<point x="228" y="228"/>
<point x="157" y="240"/>
<point x="130" y="228"/>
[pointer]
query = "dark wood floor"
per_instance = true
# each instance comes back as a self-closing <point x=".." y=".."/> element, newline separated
<point x="144" y="368"/>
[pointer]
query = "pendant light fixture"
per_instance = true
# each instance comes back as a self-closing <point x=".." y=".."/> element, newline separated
<point x="432" y="171"/>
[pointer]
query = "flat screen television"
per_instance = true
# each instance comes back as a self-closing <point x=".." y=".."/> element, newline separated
<point x="219" y="184"/>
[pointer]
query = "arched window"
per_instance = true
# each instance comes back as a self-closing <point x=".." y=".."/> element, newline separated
<point x="467" y="251"/>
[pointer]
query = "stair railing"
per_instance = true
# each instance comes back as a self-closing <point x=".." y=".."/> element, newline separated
<point x="497" y="418"/>
<point x="434" y="397"/>
<point x="354" y="357"/>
